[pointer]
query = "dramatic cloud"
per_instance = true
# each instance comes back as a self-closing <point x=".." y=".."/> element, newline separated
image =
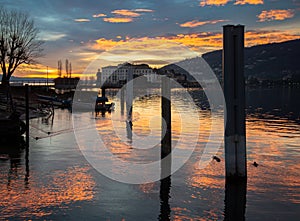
<point x="275" y="14"/>
<point x="125" y="12"/>
<point x="99" y="15"/>
<point x="153" y="50"/>
<point x="195" y="23"/>
<point x="82" y="20"/>
<point x="125" y="15"/>
<point x="213" y="2"/>
<point x="265" y="37"/>
<point x="250" y="2"/>
<point x="203" y="41"/>
<point x="118" y="20"/>
<point x="118" y="23"/>
<point x="105" y="44"/>
<point x="224" y="2"/>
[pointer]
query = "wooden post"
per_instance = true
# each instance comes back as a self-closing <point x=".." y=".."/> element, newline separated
<point x="166" y="141"/>
<point x="166" y="149"/>
<point x="122" y="101"/>
<point x="235" y="199"/>
<point x="129" y="94"/>
<point x="103" y="92"/>
<point x="164" y="195"/>
<point x="27" y="115"/>
<point x="234" y="91"/>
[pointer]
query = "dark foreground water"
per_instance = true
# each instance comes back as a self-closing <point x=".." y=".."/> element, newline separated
<point x="57" y="183"/>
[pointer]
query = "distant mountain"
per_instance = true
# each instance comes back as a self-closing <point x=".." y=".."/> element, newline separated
<point x="276" y="61"/>
<point x="13" y="78"/>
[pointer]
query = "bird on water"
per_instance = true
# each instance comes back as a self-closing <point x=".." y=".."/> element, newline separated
<point x="216" y="159"/>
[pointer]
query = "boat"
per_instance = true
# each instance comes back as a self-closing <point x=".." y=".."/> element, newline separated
<point x="101" y="104"/>
<point x="66" y="82"/>
<point x="11" y="128"/>
<point x="54" y="100"/>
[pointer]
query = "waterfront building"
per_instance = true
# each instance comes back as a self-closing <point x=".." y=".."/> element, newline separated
<point x="118" y="75"/>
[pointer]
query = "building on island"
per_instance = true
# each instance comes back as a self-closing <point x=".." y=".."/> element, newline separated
<point x="116" y="76"/>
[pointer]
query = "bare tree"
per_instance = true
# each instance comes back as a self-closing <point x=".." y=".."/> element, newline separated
<point x="18" y="42"/>
<point x="67" y="67"/>
<point x="70" y="69"/>
<point x="59" y="68"/>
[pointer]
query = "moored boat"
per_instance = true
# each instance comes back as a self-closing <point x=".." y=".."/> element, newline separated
<point x="54" y="100"/>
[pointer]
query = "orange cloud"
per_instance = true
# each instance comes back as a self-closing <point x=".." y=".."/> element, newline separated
<point x="82" y="20"/>
<point x="99" y="15"/>
<point x="205" y="41"/>
<point x="125" y="12"/>
<point x="118" y="20"/>
<point x="265" y="37"/>
<point x="195" y="23"/>
<point x="199" y="42"/>
<point x="105" y="44"/>
<point x="250" y="2"/>
<point x="213" y="2"/>
<point x="276" y="14"/>
<point x="125" y="15"/>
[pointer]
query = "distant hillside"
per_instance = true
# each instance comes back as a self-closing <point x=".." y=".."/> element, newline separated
<point x="13" y="78"/>
<point x="276" y="61"/>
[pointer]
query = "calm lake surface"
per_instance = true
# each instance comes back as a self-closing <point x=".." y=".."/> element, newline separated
<point x="57" y="183"/>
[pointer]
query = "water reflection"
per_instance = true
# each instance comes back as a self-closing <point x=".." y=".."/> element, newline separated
<point x="30" y="187"/>
<point x="235" y="199"/>
<point x="164" y="195"/>
<point x="36" y="199"/>
<point x="55" y="180"/>
<point x="165" y="186"/>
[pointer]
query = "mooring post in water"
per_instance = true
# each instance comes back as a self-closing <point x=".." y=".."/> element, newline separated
<point x="27" y="114"/>
<point x="103" y="92"/>
<point x="129" y="94"/>
<point x="166" y="140"/>
<point x="235" y="199"/>
<point x="122" y="101"/>
<point x="234" y="92"/>
<point x="164" y="195"/>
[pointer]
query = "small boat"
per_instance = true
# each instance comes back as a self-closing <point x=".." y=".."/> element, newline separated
<point x="11" y="128"/>
<point x="101" y="104"/>
<point x="54" y="100"/>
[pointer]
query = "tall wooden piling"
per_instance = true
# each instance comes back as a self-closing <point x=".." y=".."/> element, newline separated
<point x="164" y="195"/>
<point x="234" y="92"/>
<point x="235" y="199"/>
<point x="166" y="141"/>
<point x="27" y="114"/>
<point x="103" y="92"/>
<point x="122" y="101"/>
<point x="129" y="94"/>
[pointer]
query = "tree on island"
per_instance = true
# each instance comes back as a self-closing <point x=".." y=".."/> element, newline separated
<point x="19" y="43"/>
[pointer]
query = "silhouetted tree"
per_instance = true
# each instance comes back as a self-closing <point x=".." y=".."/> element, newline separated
<point x="18" y="42"/>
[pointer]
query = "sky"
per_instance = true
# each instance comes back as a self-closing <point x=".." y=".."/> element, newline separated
<point x="157" y="32"/>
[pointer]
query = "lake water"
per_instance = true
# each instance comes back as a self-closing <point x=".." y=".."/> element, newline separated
<point x="57" y="183"/>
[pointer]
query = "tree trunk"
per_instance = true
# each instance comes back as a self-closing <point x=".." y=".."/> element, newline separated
<point x="5" y="80"/>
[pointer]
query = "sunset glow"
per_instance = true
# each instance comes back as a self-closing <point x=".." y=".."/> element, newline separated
<point x="213" y="2"/>
<point x="250" y="2"/>
<point x="86" y="32"/>
<point x="275" y="15"/>
<point x="118" y="20"/>
<point x="195" y="23"/>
